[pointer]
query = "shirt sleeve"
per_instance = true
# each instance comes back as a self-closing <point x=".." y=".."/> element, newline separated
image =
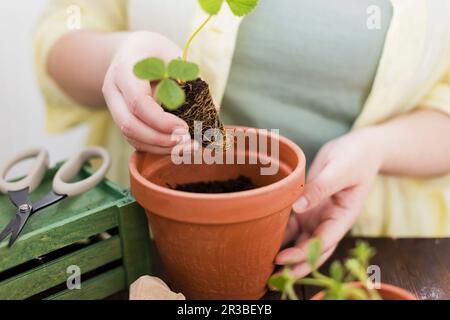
<point x="59" y="18"/>
<point x="439" y="97"/>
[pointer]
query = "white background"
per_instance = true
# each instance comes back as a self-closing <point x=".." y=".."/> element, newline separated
<point x="22" y="111"/>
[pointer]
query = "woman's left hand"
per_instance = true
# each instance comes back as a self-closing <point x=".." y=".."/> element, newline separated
<point x="337" y="188"/>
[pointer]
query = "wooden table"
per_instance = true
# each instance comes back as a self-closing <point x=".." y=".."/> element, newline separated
<point x="421" y="266"/>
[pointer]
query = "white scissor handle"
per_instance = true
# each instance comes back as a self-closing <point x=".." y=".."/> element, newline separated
<point x="34" y="176"/>
<point x="71" y="168"/>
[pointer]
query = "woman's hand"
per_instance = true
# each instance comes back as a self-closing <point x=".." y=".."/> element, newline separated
<point x="337" y="187"/>
<point x="130" y="100"/>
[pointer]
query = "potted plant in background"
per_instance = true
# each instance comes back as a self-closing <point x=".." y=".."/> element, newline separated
<point x="347" y="281"/>
<point x="221" y="244"/>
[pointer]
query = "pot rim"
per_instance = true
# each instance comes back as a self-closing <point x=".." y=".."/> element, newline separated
<point x="298" y="171"/>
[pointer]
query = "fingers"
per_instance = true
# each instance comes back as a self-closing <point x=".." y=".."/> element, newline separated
<point x="296" y="253"/>
<point x="336" y="221"/>
<point x="184" y="146"/>
<point x="330" y="229"/>
<point x="132" y="127"/>
<point x="334" y="228"/>
<point x="302" y="269"/>
<point x="327" y="182"/>
<point x="292" y="230"/>
<point x="148" y="148"/>
<point x="138" y="97"/>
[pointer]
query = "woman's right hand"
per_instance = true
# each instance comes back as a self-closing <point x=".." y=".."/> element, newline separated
<point x="143" y="122"/>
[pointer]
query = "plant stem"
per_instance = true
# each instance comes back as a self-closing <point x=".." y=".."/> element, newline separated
<point x="188" y="43"/>
<point x="313" y="282"/>
<point x="373" y="293"/>
<point x="290" y="292"/>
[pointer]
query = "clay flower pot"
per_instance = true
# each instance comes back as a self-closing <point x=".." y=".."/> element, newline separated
<point x="219" y="246"/>
<point x="387" y="292"/>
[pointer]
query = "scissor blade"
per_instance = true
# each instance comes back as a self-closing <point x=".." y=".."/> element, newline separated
<point x="19" y="197"/>
<point x="8" y="229"/>
<point x="21" y="219"/>
<point x="48" y="200"/>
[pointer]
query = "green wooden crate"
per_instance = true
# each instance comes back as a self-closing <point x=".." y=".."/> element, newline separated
<point x="36" y="266"/>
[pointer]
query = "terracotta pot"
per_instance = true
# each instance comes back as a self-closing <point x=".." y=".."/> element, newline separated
<point x="219" y="246"/>
<point x="387" y="292"/>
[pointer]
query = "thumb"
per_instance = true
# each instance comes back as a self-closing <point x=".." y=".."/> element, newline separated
<point x="326" y="183"/>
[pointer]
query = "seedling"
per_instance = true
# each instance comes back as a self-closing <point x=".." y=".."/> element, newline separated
<point x="337" y="286"/>
<point x="169" y="91"/>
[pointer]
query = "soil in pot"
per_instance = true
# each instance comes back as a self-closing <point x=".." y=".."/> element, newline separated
<point x="199" y="106"/>
<point x="241" y="183"/>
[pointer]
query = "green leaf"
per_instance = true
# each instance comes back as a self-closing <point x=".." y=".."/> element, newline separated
<point x="183" y="70"/>
<point x="337" y="271"/>
<point x="170" y="94"/>
<point x="335" y="292"/>
<point x="314" y="252"/>
<point x="363" y="252"/>
<point x="313" y="282"/>
<point x="356" y="269"/>
<point x="352" y="293"/>
<point x="290" y="292"/>
<point x="284" y="282"/>
<point x="150" y="69"/>
<point x="211" y="7"/>
<point x="242" y="7"/>
<point x="281" y="281"/>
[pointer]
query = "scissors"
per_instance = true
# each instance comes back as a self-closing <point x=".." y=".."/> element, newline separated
<point x="18" y="191"/>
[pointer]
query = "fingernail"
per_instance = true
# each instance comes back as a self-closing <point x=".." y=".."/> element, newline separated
<point x="301" y="204"/>
<point x="181" y="135"/>
<point x="185" y="138"/>
<point x="289" y="256"/>
<point x="189" y="146"/>
<point x="180" y="131"/>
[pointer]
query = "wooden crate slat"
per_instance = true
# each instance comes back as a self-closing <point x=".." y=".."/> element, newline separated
<point x="55" y="272"/>
<point x="133" y="228"/>
<point x="56" y="236"/>
<point x="99" y="287"/>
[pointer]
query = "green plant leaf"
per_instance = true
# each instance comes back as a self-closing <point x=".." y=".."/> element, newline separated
<point x="337" y="271"/>
<point x="313" y="282"/>
<point x="211" y="7"/>
<point x="281" y="281"/>
<point x="242" y="7"/>
<point x="356" y="269"/>
<point x="363" y="252"/>
<point x="313" y="252"/>
<point x="183" y="70"/>
<point x="170" y="94"/>
<point x="335" y="292"/>
<point x="150" y="69"/>
<point x="352" y="293"/>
